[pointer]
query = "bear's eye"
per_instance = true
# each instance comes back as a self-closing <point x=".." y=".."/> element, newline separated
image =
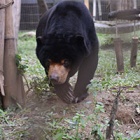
<point x="66" y="63"/>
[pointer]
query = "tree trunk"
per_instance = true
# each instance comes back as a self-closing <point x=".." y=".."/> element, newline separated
<point x="12" y="82"/>
<point x="42" y="7"/>
<point x="2" y="32"/>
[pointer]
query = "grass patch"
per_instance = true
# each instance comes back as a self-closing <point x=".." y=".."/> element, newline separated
<point x="106" y="72"/>
<point x="26" y="49"/>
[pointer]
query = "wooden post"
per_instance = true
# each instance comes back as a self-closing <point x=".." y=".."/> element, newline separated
<point x="11" y="75"/>
<point x="119" y="55"/>
<point x="10" y="69"/>
<point x="86" y="3"/>
<point x="16" y="20"/>
<point x="100" y="9"/>
<point x="2" y="32"/>
<point x="16" y="17"/>
<point x="134" y="52"/>
<point x="42" y="7"/>
<point x="94" y="10"/>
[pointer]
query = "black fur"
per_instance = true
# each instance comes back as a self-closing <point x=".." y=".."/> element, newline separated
<point x="67" y="31"/>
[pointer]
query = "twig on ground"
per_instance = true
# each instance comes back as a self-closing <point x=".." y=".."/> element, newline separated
<point x="109" y="130"/>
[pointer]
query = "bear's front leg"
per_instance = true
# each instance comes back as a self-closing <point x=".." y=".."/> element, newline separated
<point x="85" y="74"/>
<point x="65" y="92"/>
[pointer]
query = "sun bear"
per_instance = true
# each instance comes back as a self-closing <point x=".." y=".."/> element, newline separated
<point x="67" y="43"/>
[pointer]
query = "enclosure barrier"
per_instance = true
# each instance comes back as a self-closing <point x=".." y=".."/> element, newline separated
<point x="11" y="83"/>
<point x="132" y="14"/>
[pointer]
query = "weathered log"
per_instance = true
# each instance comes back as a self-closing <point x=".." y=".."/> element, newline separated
<point x="134" y="51"/>
<point x="119" y="54"/>
<point x="2" y="32"/>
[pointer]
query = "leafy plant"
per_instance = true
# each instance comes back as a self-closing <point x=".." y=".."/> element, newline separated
<point x="40" y="85"/>
<point x="21" y="64"/>
<point x="77" y="123"/>
<point x="4" y="118"/>
<point x="1" y="133"/>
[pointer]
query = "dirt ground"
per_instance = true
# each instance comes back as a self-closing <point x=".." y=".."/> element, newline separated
<point x="39" y="108"/>
<point x="31" y="122"/>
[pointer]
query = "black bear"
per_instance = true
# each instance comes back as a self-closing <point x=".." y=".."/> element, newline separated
<point x="67" y="43"/>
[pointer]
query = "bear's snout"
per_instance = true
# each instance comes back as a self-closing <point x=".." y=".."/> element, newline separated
<point x="54" y="78"/>
<point x="57" y="73"/>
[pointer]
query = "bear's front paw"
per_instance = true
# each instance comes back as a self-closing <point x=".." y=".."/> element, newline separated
<point x="65" y="93"/>
<point x="80" y="98"/>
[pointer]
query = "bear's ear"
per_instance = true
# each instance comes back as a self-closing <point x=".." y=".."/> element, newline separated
<point x="82" y="44"/>
<point x="40" y="40"/>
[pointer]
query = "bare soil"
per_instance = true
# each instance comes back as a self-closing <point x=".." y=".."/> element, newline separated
<point x="38" y="110"/>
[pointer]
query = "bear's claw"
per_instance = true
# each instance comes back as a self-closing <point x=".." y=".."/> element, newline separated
<point x="65" y="93"/>
<point x="80" y="98"/>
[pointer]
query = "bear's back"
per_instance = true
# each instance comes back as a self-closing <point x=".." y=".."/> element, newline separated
<point x="68" y="16"/>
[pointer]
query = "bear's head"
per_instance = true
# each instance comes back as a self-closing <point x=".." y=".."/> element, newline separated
<point x="58" y="71"/>
<point x="61" y="55"/>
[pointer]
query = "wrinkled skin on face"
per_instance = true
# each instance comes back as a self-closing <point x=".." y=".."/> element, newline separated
<point x="58" y="72"/>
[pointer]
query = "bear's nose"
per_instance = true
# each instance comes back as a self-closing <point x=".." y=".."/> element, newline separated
<point x="54" y="78"/>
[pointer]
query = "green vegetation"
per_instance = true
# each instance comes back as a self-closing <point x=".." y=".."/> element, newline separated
<point x="26" y="49"/>
<point x="106" y="72"/>
<point x="14" y="125"/>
